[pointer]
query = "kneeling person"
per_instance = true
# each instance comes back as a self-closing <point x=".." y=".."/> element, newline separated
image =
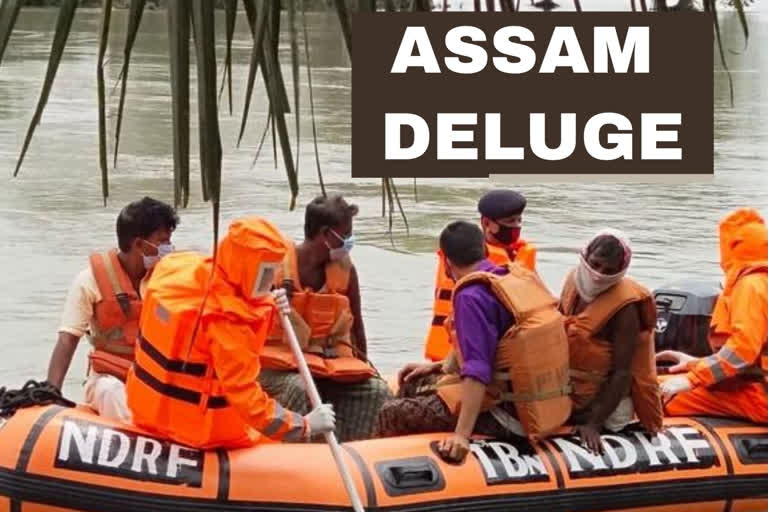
<point x="509" y="360"/>
<point x="324" y="292"/>
<point x="610" y="325"/>
<point x="732" y="381"/>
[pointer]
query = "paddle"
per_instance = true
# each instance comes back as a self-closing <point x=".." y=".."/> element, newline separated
<point x="314" y="398"/>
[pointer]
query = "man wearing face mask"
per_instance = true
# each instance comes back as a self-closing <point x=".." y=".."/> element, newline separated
<point x="104" y="303"/>
<point x="323" y="287"/>
<point x="610" y="324"/>
<point x="501" y="215"/>
<point x="194" y="379"/>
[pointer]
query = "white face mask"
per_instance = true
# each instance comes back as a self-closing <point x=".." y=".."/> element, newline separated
<point x="590" y="283"/>
<point x="162" y="250"/>
<point x="339" y="253"/>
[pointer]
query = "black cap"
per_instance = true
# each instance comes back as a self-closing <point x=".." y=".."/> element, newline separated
<point x="501" y="203"/>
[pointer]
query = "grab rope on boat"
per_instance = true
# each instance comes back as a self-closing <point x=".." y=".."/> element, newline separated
<point x="31" y="394"/>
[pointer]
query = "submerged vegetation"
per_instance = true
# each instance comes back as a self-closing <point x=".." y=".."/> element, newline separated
<point x="192" y="21"/>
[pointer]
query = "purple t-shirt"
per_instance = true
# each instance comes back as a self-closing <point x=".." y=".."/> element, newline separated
<point x="480" y="321"/>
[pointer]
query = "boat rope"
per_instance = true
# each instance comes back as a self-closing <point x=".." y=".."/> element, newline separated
<point x="31" y="394"/>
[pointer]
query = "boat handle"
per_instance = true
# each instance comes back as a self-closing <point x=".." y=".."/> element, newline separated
<point x="410" y="476"/>
<point x="756" y="448"/>
<point x="415" y="476"/>
<point x="750" y="448"/>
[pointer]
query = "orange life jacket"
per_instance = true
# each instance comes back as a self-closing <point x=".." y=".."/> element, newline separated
<point x="438" y="344"/>
<point x="322" y="322"/>
<point x="115" y="324"/>
<point x="591" y="356"/>
<point x="531" y="366"/>
<point x="172" y="388"/>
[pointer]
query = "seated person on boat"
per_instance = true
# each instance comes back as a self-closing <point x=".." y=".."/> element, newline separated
<point x="508" y="371"/>
<point x="203" y="325"/>
<point x="732" y="381"/>
<point x="324" y="291"/>
<point x="104" y="303"/>
<point x="610" y="320"/>
<point x="501" y="217"/>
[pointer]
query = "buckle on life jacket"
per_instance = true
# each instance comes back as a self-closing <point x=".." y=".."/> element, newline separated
<point x="536" y="396"/>
<point x="323" y="351"/>
<point x="125" y="302"/>
<point x="330" y="353"/>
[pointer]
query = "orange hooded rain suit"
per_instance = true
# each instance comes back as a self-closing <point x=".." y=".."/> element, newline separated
<point x="203" y="391"/>
<point x="733" y="381"/>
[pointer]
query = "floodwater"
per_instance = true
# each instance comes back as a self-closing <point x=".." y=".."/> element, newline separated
<point x="52" y="216"/>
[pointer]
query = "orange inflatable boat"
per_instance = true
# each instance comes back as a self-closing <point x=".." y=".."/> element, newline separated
<point x="55" y="458"/>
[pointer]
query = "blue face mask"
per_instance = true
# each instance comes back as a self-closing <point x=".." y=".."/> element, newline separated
<point x="347" y="244"/>
<point x="162" y="250"/>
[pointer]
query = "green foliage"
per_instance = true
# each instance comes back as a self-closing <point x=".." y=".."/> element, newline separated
<point x="263" y="17"/>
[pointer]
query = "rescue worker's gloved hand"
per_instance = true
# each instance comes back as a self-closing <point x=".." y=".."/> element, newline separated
<point x="674" y="385"/>
<point x="281" y="301"/>
<point x="321" y="419"/>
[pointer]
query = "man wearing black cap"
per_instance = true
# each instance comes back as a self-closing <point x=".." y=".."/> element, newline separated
<point x="501" y="214"/>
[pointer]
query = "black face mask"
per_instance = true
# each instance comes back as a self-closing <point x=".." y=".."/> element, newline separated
<point x="507" y="234"/>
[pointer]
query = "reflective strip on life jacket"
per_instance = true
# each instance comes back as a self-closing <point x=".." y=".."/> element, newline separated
<point x="176" y="392"/>
<point x="442" y="295"/>
<point x="175" y="366"/>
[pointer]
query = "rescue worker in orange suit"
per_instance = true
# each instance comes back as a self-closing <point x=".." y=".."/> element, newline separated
<point x="104" y="304"/>
<point x="610" y="325"/>
<point x="501" y="216"/>
<point x="323" y="286"/>
<point x="507" y="375"/>
<point x="732" y="381"/>
<point x="194" y="379"/>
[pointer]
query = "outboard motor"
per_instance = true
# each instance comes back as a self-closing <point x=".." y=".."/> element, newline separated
<point x="684" y="311"/>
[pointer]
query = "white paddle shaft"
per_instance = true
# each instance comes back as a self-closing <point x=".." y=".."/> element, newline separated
<point x="314" y="398"/>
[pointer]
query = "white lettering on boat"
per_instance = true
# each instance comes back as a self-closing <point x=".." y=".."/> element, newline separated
<point x="676" y="447"/>
<point x="505" y="463"/>
<point x="94" y="448"/>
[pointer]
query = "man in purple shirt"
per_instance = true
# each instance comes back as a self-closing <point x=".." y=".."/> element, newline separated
<point x="480" y="321"/>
